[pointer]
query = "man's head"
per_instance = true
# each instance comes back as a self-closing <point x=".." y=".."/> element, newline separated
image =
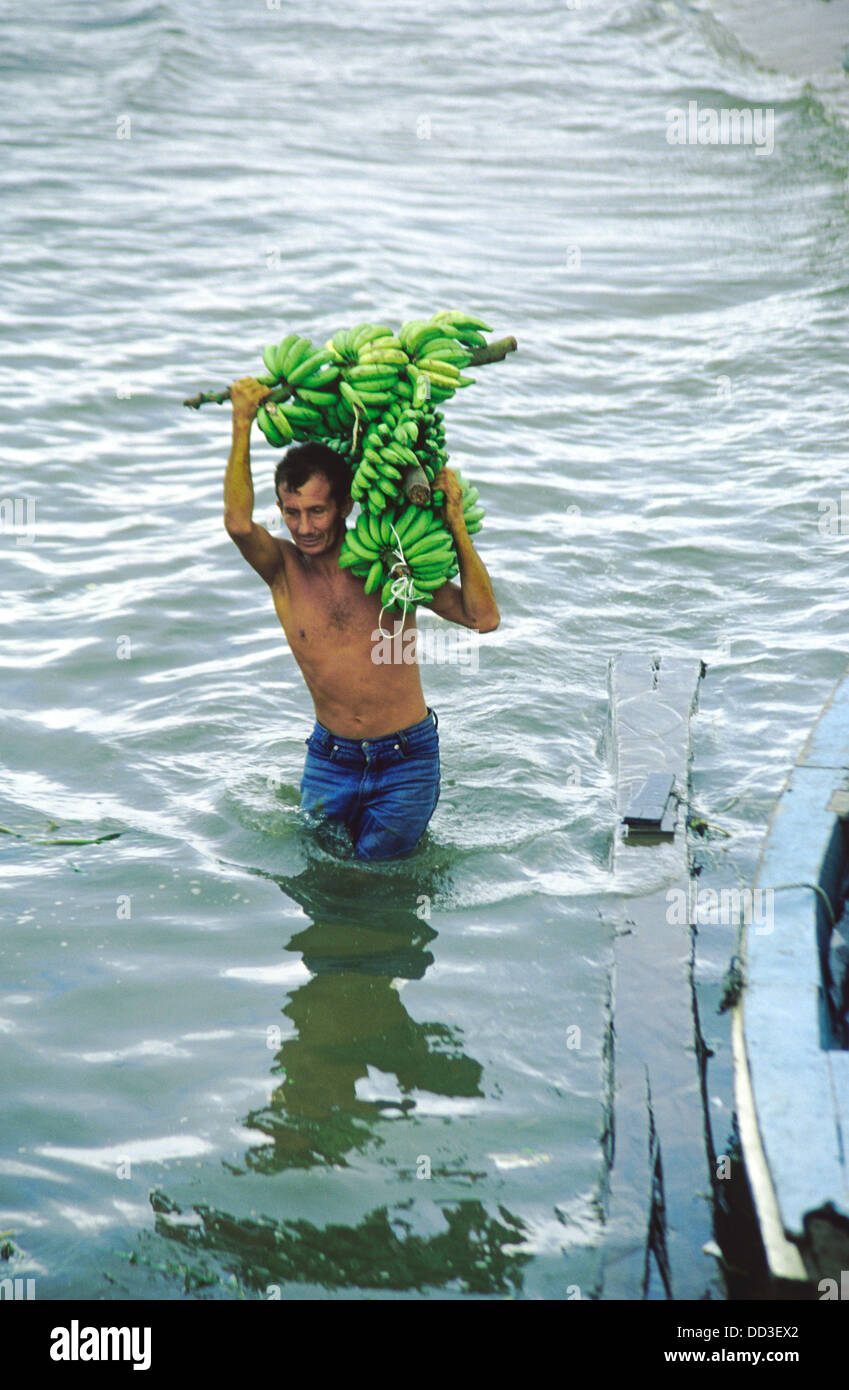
<point x="312" y="484"/>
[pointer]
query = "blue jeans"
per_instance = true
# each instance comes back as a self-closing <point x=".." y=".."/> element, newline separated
<point x="384" y="790"/>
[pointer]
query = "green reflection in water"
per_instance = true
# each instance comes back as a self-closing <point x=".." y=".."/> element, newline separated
<point x="473" y="1254"/>
<point x="366" y="933"/>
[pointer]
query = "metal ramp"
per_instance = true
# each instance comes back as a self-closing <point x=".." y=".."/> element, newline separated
<point x="660" y="1161"/>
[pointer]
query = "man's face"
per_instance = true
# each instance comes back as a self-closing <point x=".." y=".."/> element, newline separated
<point x="314" y="520"/>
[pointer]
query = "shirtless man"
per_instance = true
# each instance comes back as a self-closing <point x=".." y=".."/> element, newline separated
<point x="373" y="756"/>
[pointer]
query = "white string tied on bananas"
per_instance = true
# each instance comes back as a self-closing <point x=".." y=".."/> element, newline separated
<point x="402" y="586"/>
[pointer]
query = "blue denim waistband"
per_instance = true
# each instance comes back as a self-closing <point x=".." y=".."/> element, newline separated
<point x="414" y="733"/>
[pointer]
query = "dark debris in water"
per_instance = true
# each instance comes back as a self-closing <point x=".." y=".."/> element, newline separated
<point x="733" y="984"/>
<point x="33" y="837"/>
<point x="699" y="826"/>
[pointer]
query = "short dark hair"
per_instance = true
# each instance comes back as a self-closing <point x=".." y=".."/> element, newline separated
<point x="301" y="461"/>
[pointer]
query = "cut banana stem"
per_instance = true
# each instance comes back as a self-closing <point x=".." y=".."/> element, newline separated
<point x="416" y="486"/>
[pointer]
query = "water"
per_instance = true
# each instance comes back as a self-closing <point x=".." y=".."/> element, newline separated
<point x="205" y="1006"/>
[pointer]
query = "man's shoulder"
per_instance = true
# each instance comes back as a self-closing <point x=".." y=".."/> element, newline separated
<point x="288" y="554"/>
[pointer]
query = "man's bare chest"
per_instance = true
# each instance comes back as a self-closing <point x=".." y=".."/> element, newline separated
<point x="315" y="612"/>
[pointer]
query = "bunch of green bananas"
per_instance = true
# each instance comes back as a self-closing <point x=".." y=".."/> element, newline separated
<point x="407" y="554"/>
<point x="360" y="371"/>
<point x="473" y="514"/>
<point x="437" y="355"/>
<point x="406" y="557"/>
<point x="312" y="411"/>
<point x="371" y="396"/>
<point x="403" y="437"/>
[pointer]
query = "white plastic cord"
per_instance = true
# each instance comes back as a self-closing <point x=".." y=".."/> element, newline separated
<point x="402" y="586"/>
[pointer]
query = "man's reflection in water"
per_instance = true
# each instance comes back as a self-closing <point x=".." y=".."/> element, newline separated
<point x="368" y="933"/>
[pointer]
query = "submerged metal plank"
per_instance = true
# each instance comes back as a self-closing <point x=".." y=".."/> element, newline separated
<point x="658" y="1213"/>
<point x="647" y="808"/>
<point x="651" y="700"/>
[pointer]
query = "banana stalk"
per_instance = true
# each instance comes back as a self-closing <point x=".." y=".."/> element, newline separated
<point x="480" y="356"/>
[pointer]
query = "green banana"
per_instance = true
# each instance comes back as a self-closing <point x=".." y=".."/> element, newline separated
<point x="388" y="470"/>
<point x="373" y="523"/>
<point x="339" y="346"/>
<point x="428" y="548"/>
<point x="435" y="366"/>
<point x="269" y="429"/>
<point x="372" y="372"/>
<point x="417" y="528"/>
<point x="390" y="453"/>
<point x="383" y="356"/>
<point x="321" y="379"/>
<point x="307" y="366"/>
<point x="384" y="340"/>
<point x="294" y="355"/>
<point x="355" y="543"/>
<point x="373" y="398"/>
<point x="461" y="320"/>
<point x="282" y="349"/>
<point x="405" y="519"/>
<point x="444" y="350"/>
<point x="299" y="413"/>
<point x="281" y="423"/>
<point x="375" y="575"/>
<point x="367" y="333"/>
<point x="433" y="576"/>
<point x="351" y="395"/>
<point x="322" y="400"/>
<point x="426" y="333"/>
<point x="410" y="332"/>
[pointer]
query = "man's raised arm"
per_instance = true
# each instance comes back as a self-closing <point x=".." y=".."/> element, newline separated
<point x="259" y="548"/>
<point x="473" y="603"/>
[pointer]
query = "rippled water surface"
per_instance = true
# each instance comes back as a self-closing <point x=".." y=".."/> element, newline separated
<point x="196" y="1000"/>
